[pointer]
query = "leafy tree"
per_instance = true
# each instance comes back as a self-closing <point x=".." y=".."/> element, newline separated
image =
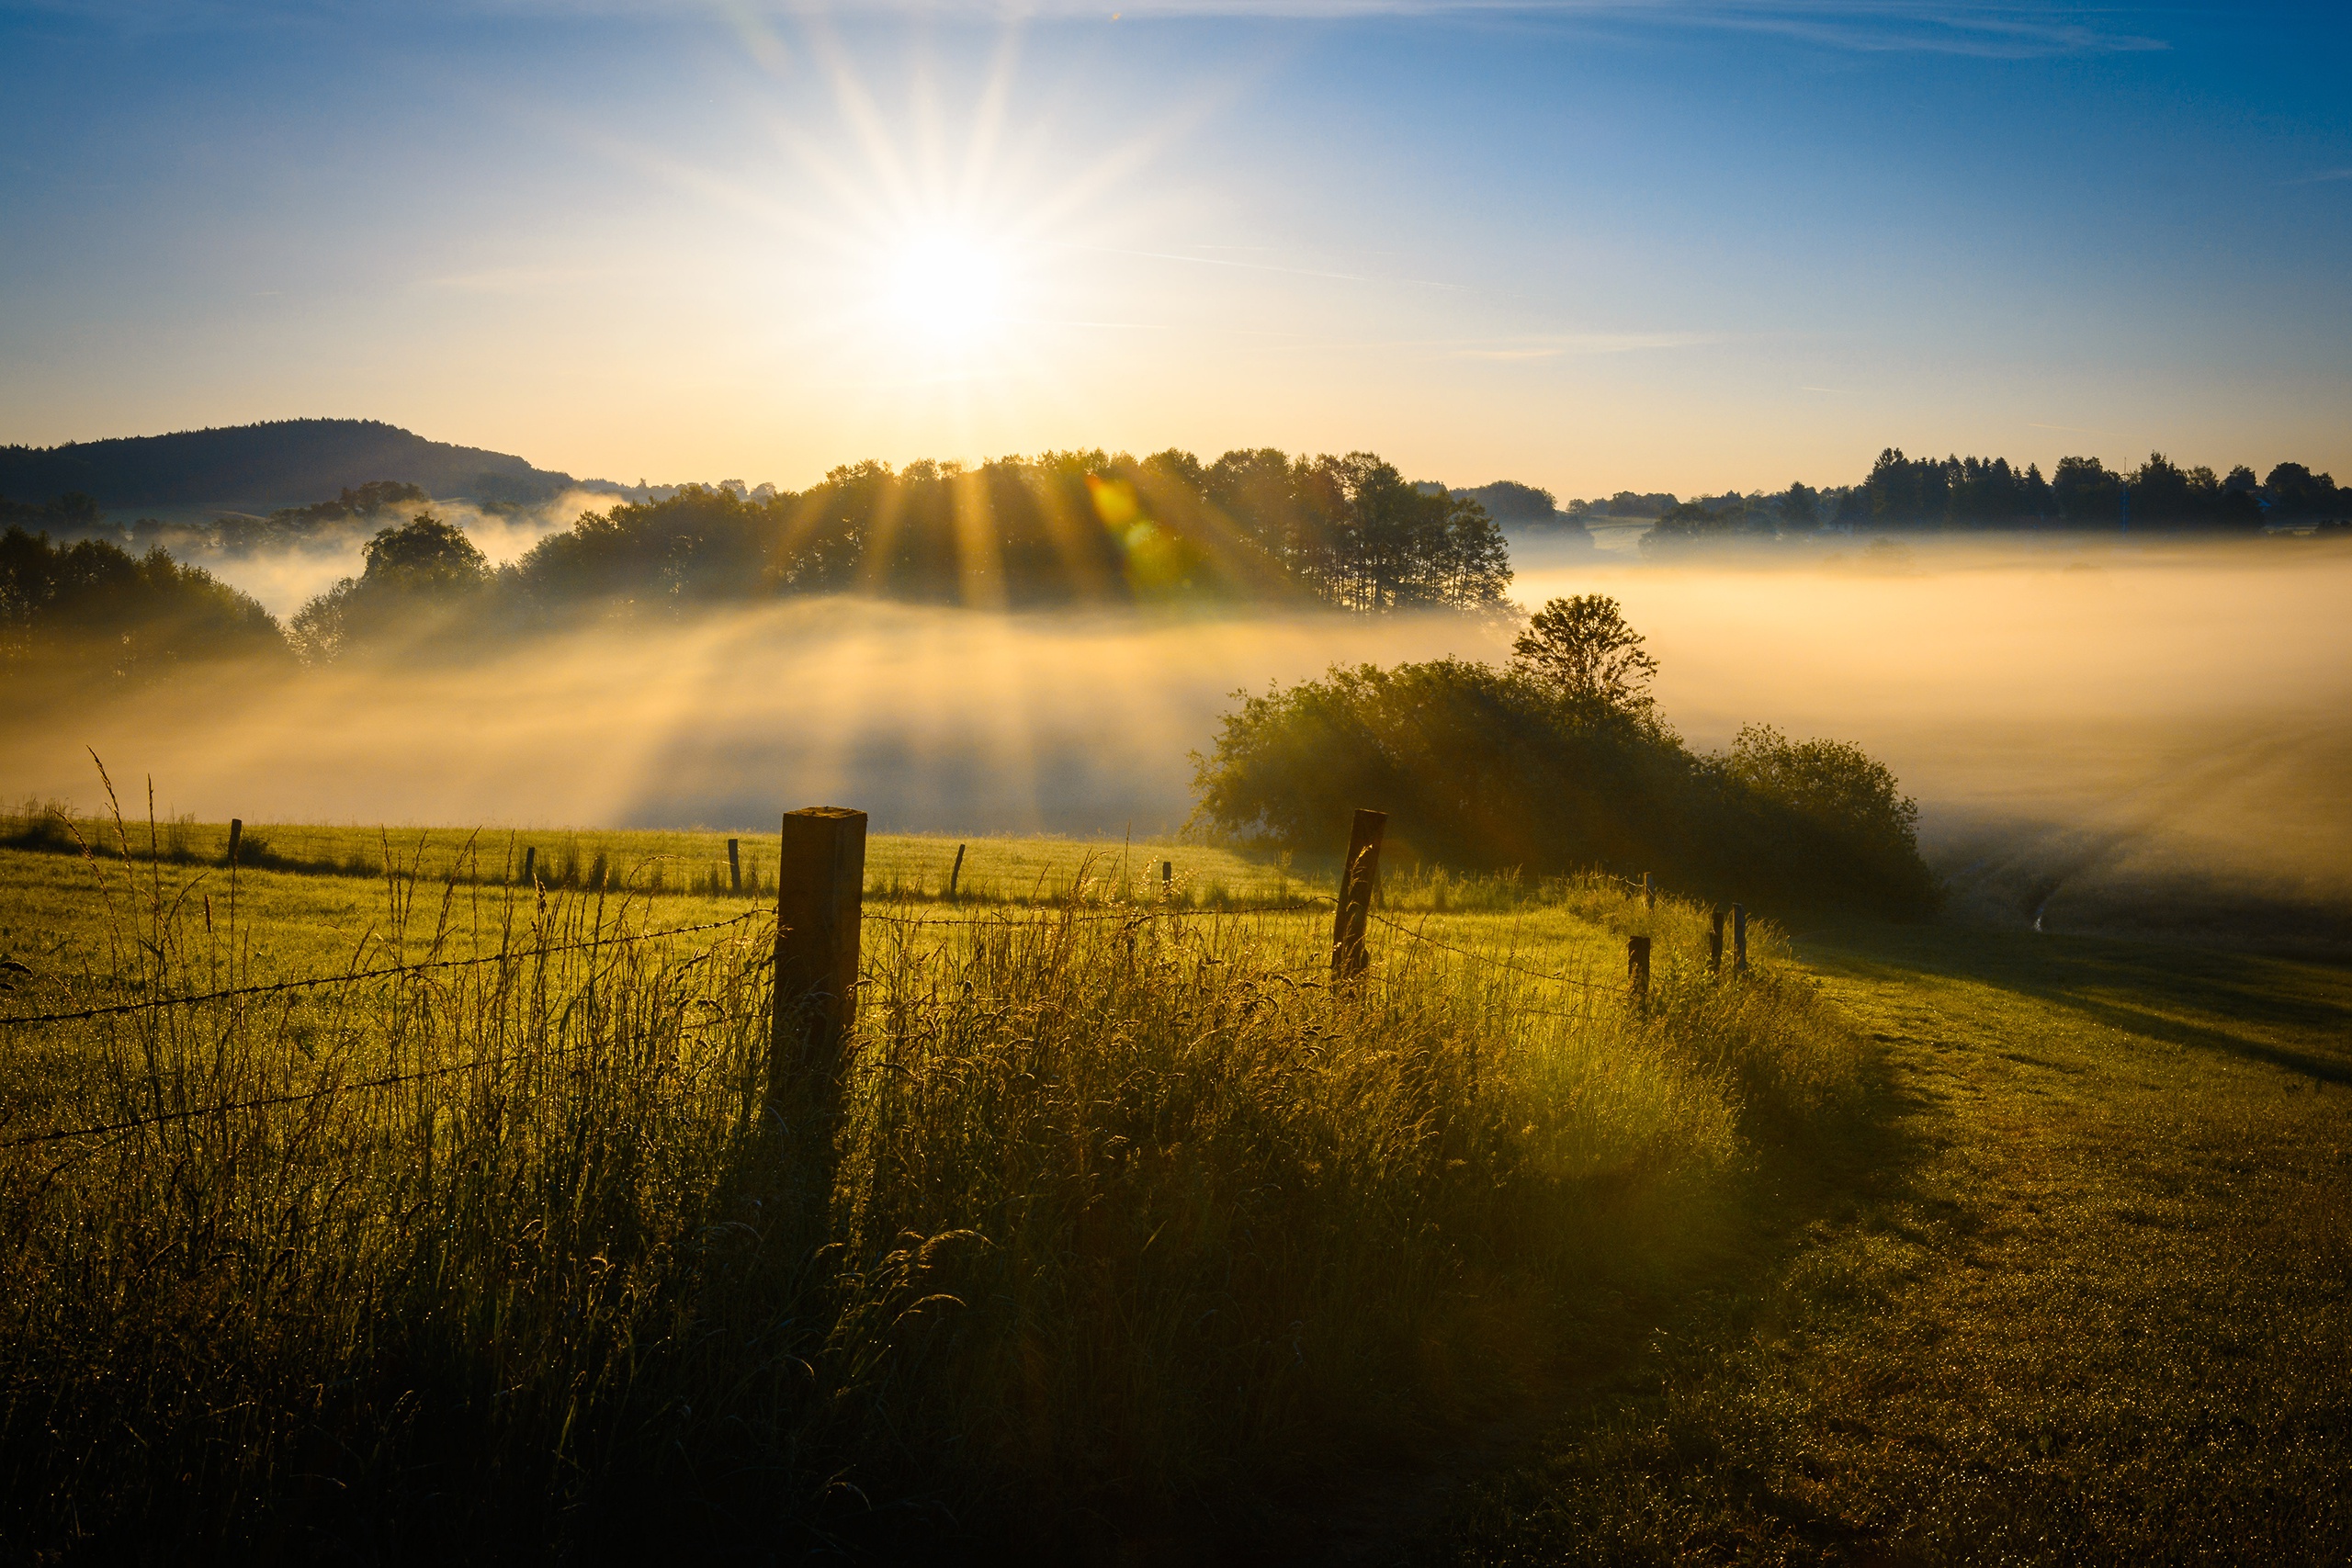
<point x="1833" y="785"/>
<point x="93" y="608"/>
<point x="2295" y="491"/>
<point x="415" y="577"/>
<point x="1582" y="649"/>
<point x="2086" y="494"/>
<point x="1798" y="506"/>
<point x="425" y="556"/>
<point x="1481" y="767"/>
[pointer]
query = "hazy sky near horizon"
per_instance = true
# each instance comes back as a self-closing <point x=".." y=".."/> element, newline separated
<point x="1656" y="245"/>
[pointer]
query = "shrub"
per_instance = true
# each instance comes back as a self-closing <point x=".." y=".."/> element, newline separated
<point x="1487" y="768"/>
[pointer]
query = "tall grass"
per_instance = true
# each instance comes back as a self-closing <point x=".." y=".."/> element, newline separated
<point x="1132" y="1221"/>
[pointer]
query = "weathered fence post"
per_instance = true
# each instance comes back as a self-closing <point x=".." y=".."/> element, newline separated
<point x="820" y="879"/>
<point x="1649" y="892"/>
<point x="956" y="871"/>
<point x="1167" y="874"/>
<point x="1740" y="939"/>
<point x="1359" y="881"/>
<point x="1716" y="941"/>
<point x="734" y="865"/>
<point x="236" y="836"/>
<point x="530" y="863"/>
<point x="1637" y="970"/>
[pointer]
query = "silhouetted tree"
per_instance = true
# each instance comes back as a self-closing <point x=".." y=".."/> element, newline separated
<point x="1582" y="649"/>
<point x="1480" y="767"/>
<point x="415" y="578"/>
<point x="93" y="608"/>
<point x="2294" y="492"/>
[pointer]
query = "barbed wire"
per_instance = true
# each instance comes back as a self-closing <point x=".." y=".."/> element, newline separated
<point x="1138" y="913"/>
<point x="114" y="1009"/>
<point x="616" y="939"/>
<point x="263" y="1102"/>
<point x="1482" y="958"/>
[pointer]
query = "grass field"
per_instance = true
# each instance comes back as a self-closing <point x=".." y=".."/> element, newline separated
<point x="1130" y="1223"/>
<point x="1926" y="1243"/>
<point x="2079" y="1296"/>
<point x="996" y="869"/>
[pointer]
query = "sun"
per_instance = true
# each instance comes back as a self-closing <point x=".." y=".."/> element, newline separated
<point x="945" y="287"/>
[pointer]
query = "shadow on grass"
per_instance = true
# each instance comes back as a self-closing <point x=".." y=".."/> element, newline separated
<point x="1626" y="1346"/>
<point x="2231" y="1003"/>
<point x="1716" y="1417"/>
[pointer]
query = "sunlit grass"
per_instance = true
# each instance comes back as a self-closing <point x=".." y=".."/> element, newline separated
<point x="1133" y="1216"/>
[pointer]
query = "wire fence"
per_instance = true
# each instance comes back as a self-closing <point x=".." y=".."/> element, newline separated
<point x="503" y="955"/>
<point x="1428" y="941"/>
<point x="1136" y="913"/>
<point x="994" y="921"/>
<point x="352" y="1086"/>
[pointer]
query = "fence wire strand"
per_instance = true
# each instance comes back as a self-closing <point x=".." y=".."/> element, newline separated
<point x="505" y="955"/>
<point x="1482" y="958"/>
<point x="394" y="1079"/>
<point x="388" y="1081"/>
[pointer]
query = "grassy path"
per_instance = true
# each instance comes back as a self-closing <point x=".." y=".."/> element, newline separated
<point x="2081" y="1296"/>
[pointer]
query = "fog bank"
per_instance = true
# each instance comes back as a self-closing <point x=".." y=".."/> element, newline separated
<point x="2093" y="730"/>
<point x="2087" y="724"/>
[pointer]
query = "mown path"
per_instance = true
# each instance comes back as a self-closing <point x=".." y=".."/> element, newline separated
<point x="2080" y="1295"/>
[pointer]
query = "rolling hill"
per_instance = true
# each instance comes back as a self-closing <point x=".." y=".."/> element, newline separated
<point x="257" y="468"/>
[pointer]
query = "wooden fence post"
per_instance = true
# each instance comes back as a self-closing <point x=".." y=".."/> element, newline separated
<point x="1716" y="941"/>
<point x="735" y="865"/>
<point x="1740" y="939"/>
<point x="820" y="880"/>
<point x="530" y="863"/>
<point x="1167" y="874"/>
<point x="236" y="836"/>
<point x="1359" y="881"/>
<point x="956" y="871"/>
<point x="1637" y="970"/>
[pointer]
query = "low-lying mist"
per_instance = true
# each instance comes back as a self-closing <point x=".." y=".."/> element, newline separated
<point x="2107" y="732"/>
<point x="2101" y="733"/>
<point x="285" y="579"/>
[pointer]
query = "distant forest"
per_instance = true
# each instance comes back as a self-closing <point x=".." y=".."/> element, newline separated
<point x="1065" y="528"/>
<point x="1909" y="494"/>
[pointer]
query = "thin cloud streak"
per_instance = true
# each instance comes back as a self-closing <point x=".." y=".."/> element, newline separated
<point x="1875" y="27"/>
<point x="2011" y="31"/>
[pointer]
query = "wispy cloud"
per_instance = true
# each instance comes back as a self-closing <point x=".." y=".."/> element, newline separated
<point x="2016" y="29"/>
<point x="2012" y="30"/>
<point x="2321" y="177"/>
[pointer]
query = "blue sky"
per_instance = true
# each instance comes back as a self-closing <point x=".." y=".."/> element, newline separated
<point x="1656" y="246"/>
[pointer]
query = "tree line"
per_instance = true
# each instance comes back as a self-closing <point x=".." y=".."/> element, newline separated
<point x="1908" y="494"/>
<point x="1064" y="529"/>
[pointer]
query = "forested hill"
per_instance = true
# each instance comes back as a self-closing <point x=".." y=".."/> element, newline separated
<point x="257" y="468"/>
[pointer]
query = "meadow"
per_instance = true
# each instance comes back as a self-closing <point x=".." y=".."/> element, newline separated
<point x="1133" y="1225"/>
<point x="996" y="868"/>
<point x="1137" y="1237"/>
